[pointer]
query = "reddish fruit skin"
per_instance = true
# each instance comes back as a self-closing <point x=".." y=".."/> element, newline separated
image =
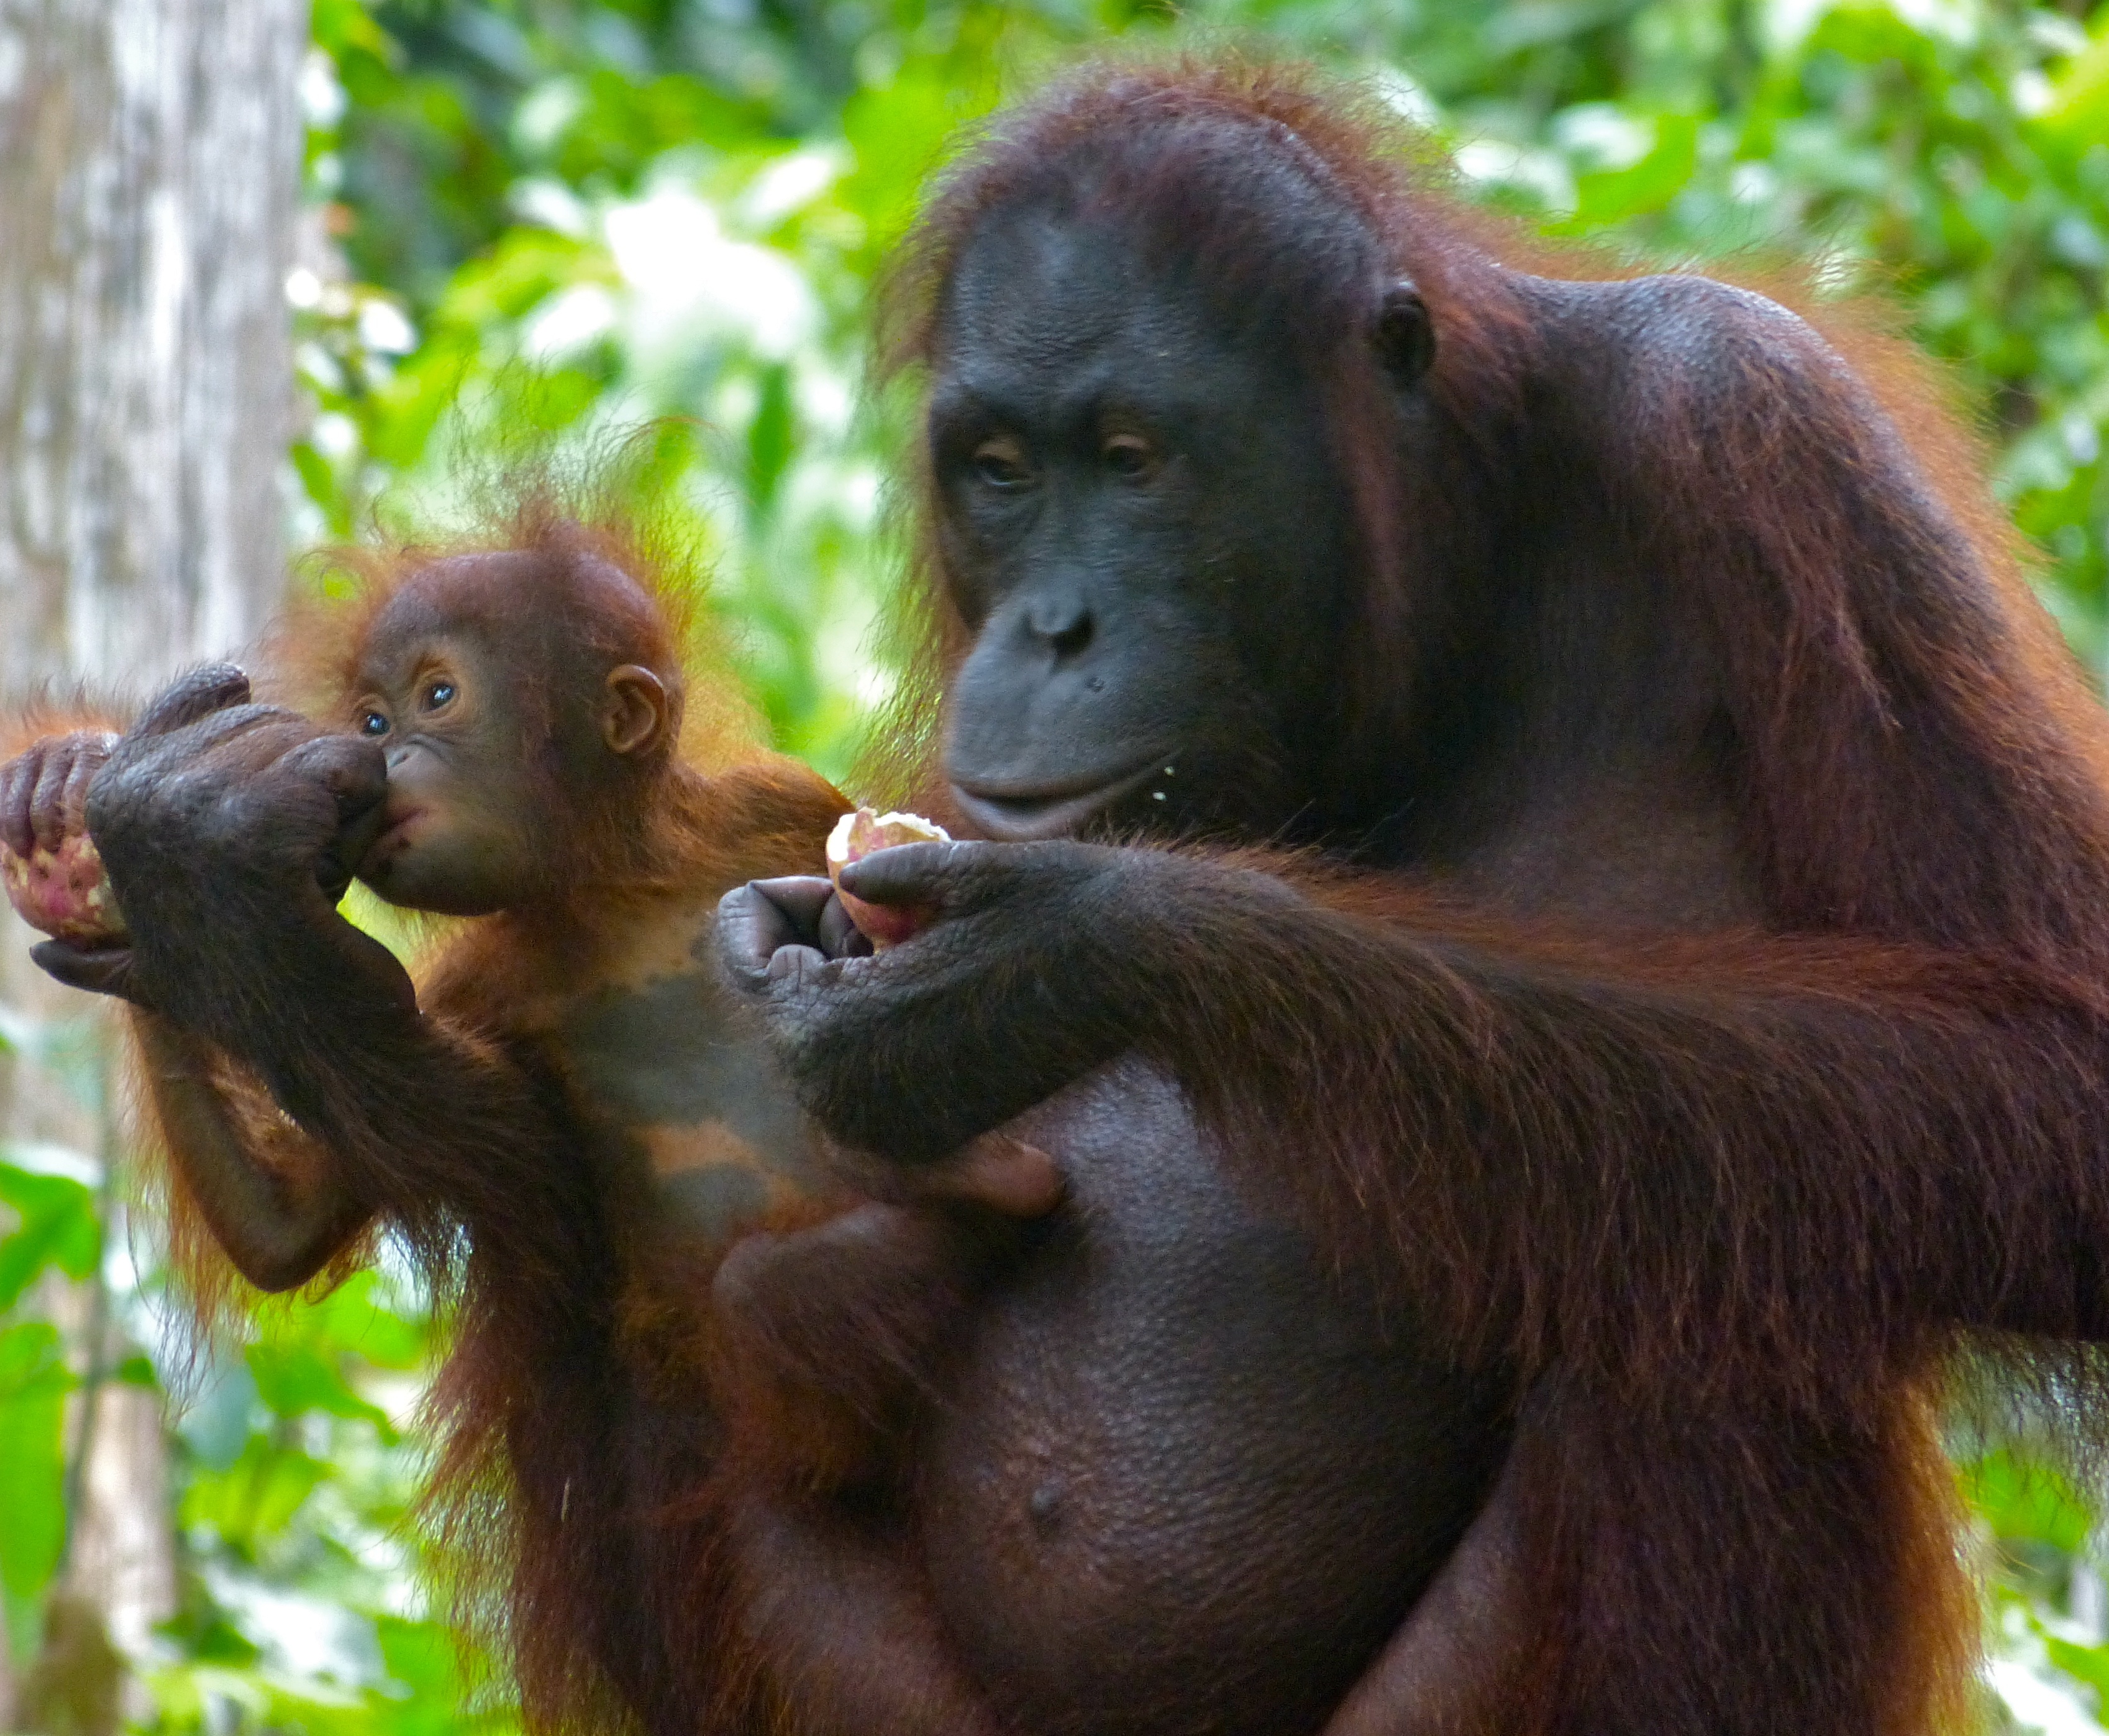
<point x="884" y="925"/>
<point x="63" y="892"/>
<point x="863" y="833"/>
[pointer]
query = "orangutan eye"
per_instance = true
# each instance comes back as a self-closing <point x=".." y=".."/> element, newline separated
<point x="1000" y="463"/>
<point x="372" y="723"/>
<point x="1129" y="455"/>
<point x="439" y="694"/>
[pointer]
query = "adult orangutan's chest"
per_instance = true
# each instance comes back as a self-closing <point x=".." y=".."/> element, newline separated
<point x="672" y="1080"/>
<point x="1186" y="1482"/>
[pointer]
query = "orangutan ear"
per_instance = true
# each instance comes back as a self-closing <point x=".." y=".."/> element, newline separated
<point x="636" y="715"/>
<point x="1403" y="334"/>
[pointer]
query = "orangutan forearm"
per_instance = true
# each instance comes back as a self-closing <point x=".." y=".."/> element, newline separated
<point x="1703" y="1156"/>
<point x="275" y="1201"/>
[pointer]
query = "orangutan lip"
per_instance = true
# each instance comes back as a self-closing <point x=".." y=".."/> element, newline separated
<point x="389" y="844"/>
<point x="1053" y="812"/>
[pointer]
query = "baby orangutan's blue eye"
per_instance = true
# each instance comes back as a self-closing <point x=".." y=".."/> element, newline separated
<point x="439" y="694"/>
<point x="372" y="723"/>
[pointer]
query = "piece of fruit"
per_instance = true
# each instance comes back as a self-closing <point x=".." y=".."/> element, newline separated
<point x="860" y="834"/>
<point x="64" y="892"/>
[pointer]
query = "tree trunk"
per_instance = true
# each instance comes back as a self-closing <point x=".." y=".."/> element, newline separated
<point x="151" y="153"/>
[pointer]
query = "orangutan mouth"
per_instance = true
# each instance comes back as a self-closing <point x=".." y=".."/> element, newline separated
<point x="1016" y="815"/>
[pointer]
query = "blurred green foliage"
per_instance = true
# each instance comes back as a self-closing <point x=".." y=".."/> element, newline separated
<point x="560" y="219"/>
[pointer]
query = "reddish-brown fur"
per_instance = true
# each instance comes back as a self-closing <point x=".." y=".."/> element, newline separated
<point x="1683" y="1182"/>
<point x="580" y="1492"/>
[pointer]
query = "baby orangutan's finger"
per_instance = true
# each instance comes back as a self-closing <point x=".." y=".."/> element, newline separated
<point x="1003" y="1173"/>
<point x="86" y="756"/>
<point x="18" y="786"/>
<point x="1007" y="1175"/>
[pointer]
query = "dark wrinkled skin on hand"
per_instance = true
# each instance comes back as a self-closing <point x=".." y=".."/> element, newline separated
<point x="992" y="1007"/>
<point x="43" y="790"/>
<point x="227" y="829"/>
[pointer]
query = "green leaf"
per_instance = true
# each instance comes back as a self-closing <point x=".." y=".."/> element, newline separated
<point x="2026" y="1502"/>
<point x="2077" y="115"/>
<point x="770" y="439"/>
<point x="2083" y="1663"/>
<point x="294" y="1379"/>
<point x="359" y="1319"/>
<point x="1608" y="196"/>
<point x="898" y="133"/>
<point x="34" y="1384"/>
<point x="517" y="275"/>
<point x="343" y="27"/>
<point x="426" y="1658"/>
<point x="256" y="1498"/>
<point x="56" y="1225"/>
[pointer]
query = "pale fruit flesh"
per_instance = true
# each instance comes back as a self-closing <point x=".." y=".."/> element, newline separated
<point x="64" y="892"/>
<point x="865" y="833"/>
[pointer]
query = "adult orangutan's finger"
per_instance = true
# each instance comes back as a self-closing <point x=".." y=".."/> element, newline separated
<point x="800" y="966"/>
<point x="841" y="938"/>
<point x="907" y="873"/>
<point x="755" y="920"/>
<point x="355" y="772"/>
<point x="799" y="899"/>
<point x="213" y="687"/>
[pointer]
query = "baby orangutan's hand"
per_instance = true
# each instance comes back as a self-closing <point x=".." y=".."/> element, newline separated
<point x="1003" y="1173"/>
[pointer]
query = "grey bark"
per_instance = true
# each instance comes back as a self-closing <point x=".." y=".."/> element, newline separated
<point x="150" y="155"/>
<point x="149" y="180"/>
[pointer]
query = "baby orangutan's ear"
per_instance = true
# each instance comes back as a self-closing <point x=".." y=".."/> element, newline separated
<point x="636" y="715"/>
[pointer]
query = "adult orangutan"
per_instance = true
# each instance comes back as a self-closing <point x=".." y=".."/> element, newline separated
<point x="1678" y="974"/>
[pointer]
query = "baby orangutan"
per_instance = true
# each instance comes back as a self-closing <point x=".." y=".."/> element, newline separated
<point x="566" y="1115"/>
